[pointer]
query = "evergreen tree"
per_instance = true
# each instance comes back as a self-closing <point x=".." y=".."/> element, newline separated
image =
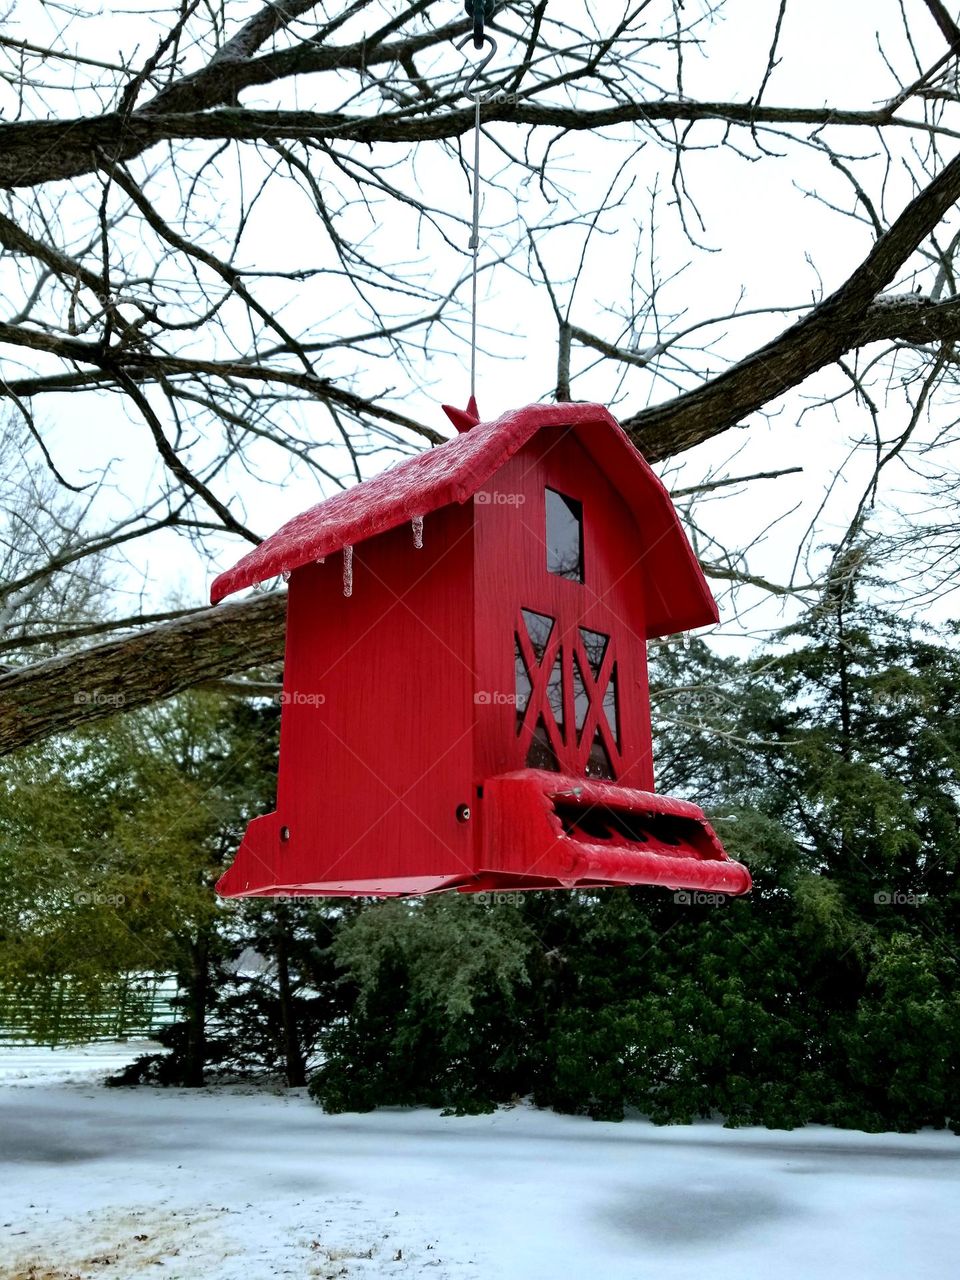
<point x="437" y="1016"/>
<point x="830" y="765"/>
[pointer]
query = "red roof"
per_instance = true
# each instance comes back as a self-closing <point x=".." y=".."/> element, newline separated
<point x="676" y="600"/>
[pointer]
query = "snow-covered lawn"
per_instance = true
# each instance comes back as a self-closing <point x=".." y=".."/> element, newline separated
<point x="244" y="1184"/>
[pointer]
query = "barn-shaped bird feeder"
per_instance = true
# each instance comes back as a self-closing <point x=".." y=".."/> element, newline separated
<point x="465" y="700"/>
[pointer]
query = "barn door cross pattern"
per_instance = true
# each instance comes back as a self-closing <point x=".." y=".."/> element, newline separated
<point x="566" y="696"/>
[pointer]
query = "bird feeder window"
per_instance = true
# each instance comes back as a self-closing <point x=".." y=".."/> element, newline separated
<point x="610" y="709"/>
<point x="539" y="628"/>
<point x="581" y="699"/>
<point x="542" y="671"/>
<point x="524" y="686"/>
<point x="595" y="647"/>
<point x="564" y="536"/>
<point x="545" y="675"/>
<point x="555" y="691"/>
<point x="589" y="691"/>
<point x="541" y="754"/>
<point x="598" y="761"/>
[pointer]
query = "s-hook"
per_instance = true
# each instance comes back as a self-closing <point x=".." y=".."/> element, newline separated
<point x="479" y="67"/>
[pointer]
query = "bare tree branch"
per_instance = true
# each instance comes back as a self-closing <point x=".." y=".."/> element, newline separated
<point x="122" y="675"/>
<point x="841" y="322"/>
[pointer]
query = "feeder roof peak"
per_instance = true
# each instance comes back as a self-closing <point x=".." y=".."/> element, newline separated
<point x="455" y="470"/>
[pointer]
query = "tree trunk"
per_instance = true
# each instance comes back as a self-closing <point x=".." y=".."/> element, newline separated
<point x="198" y="987"/>
<point x="295" y="1067"/>
<point x="122" y="675"/>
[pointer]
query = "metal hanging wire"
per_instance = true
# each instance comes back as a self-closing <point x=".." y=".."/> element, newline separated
<point x="478" y="98"/>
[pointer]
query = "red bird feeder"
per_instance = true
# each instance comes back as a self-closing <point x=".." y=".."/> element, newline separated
<point x="465" y="700"/>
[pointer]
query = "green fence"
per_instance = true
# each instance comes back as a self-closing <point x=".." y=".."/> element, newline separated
<point x="62" y="1012"/>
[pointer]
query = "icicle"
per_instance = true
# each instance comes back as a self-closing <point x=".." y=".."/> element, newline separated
<point x="285" y="574"/>
<point x="417" y="523"/>
<point x="348" y="571"/>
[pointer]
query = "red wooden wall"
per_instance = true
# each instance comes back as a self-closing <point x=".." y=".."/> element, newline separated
<point x="380" y="766"/>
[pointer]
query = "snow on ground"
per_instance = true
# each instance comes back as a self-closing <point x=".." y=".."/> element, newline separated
<point x="33" y="1064"/>
<point x="248" y="1184"/>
